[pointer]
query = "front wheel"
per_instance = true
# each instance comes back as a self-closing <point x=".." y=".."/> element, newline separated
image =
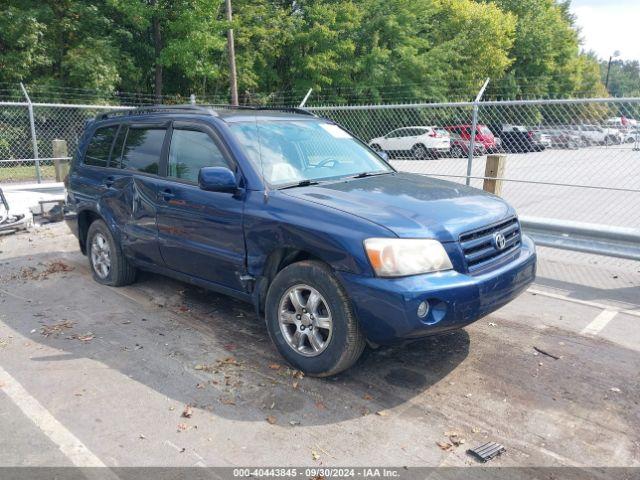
<point x="456" y="152"/>
<point x="310" y="320"/>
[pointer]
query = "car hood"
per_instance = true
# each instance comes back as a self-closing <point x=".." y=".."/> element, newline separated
<point x="410" y="205"/>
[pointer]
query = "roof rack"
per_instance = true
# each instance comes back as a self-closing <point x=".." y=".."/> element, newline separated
<point x="299" y="110"/>
<point x="188" y="108"/>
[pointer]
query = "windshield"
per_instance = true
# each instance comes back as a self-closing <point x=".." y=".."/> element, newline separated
<point x="289" y="152"/>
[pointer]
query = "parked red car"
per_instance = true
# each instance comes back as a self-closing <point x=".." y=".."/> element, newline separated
<point x="484" y="136"/>
<point x="460" y="147"/>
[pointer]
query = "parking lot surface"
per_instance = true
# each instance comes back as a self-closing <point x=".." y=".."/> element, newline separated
<point x="163" y="373"/>
<point x="616" y="166"/>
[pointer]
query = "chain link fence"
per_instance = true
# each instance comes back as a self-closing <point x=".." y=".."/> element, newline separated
<point x="25" y="159"/>
<point x="573" y="160"/>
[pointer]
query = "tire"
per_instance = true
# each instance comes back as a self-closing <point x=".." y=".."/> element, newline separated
<point x="103" y="249"/>
<point x="419" y="152"/>
<point x="456" y="152"/>
<point x="340" y="346"/>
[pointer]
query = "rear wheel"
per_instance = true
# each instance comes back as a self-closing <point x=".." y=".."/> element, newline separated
<point x="310" y="320"/>
<point x="108" y="265"/>
<point x="420" y="152"/>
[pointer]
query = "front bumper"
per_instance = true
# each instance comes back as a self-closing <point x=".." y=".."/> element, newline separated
<point x="387" y="307"/>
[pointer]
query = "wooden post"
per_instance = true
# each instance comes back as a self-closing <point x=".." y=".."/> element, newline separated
<point x="61" y="166"/>
<point x="494" y="169"/>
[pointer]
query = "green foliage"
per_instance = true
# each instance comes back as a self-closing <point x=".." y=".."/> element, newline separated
<point x="355" y="49"/>
<point x="624" y="77"/>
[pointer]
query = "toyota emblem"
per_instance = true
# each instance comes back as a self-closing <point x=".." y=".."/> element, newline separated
<point x="499" y="241"/>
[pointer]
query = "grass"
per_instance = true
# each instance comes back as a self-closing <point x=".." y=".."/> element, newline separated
<point x="25" y="173"/>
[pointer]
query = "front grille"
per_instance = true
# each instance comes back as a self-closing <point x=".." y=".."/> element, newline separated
<point x="479" y="246"/>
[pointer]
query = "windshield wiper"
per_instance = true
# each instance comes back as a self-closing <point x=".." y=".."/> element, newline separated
<point x="301" y="183"/>
<point x="368" y="174"/>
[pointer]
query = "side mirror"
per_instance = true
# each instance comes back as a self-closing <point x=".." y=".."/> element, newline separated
<point x="217" y="179"/>
<point x="383" y="155"/>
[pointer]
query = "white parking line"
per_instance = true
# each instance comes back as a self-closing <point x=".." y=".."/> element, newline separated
<point x="627" y="311"/>
<point x="67" y="442"/>
<point x="598" y="323"/>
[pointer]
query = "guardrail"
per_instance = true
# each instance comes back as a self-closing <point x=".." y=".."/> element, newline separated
<point x="584" y="237"/>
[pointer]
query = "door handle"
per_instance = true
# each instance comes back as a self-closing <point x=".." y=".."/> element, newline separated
<point x="166" y="194"/>
<point x="108" y="182"/>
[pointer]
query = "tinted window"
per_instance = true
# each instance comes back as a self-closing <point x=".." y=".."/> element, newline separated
<point x="394" y="134"/>
<point x="116" y="152"/>
<point x="142" y="149"/>
<point x="190" y="151"/>
<point x="100" y="146"/>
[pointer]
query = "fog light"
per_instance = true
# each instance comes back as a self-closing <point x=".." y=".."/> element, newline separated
<point x="423" y="309"/>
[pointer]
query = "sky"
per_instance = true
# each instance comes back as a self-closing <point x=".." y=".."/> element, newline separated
<point x="609" y="25"/>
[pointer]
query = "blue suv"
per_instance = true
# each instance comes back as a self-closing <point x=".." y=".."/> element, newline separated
<point x="333" y="247"/>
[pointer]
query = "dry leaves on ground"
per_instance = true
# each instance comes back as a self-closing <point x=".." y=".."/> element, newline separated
<point x="56" y="329"/>
<point x="187" y="412"/>
<point x="271" y="419"/>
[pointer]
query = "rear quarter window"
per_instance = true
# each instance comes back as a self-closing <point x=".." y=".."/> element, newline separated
<point x="142" y="149"/>
<point x="99" y="147"/>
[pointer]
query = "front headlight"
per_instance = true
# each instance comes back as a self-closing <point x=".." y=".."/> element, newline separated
<point x="398" y="257"/>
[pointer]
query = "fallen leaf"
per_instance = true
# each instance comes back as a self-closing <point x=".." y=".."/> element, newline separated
<point x="182" y="427"/>
<point x="294" y="385"/>
<point x="227" y="401"/>
<point x="366" y="396"/>
<point x="446" y="446"/>
<point x="298" y="374"/>
<point x="187" y="412"/>
<point x="141" y="437"/>
<point x="199" y="386"/>
<point x="293" y="423"/>
<point x="320" y="405"/>
<point x="382" y="413"/>
<point x="315" y="455"/>
<point x="275" y="366"/>
<point x="271" y="419"/>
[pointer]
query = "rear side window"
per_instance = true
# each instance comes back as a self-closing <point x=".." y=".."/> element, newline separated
<point x="142" y="149"/>
<point x="190" y="151"/>
<point x="99" y="147"/>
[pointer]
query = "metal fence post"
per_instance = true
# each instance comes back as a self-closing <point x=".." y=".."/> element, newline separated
<point x="474" y="126"/>
<point x="34" y="139"/>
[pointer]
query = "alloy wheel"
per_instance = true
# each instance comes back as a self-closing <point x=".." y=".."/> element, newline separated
<point x="305" y="320"/>
<point x="101" y="255"/>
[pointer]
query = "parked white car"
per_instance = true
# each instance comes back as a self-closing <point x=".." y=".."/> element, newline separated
<point x="420" y="142"/>
<point x="597" y="135"/>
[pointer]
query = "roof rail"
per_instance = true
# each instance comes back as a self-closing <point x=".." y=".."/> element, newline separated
<point x="188" y="108"/>
<point x="299" y="110"/>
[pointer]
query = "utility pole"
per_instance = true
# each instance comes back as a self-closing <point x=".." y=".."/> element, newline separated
<point x="616" y="54"/>
<point x="233" y="78"/>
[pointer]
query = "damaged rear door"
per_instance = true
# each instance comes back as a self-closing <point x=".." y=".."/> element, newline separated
<point x="133" y="190"/>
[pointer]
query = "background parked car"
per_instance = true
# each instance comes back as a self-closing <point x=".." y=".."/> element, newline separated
<point x="460" y="147"/>
<point x="565" y="139"/>
<point x="597" y="135"/>
<point x="541" y="137"/>
<point x="517" y="138"/>
<point x="420" y="142"/>
<point x="484" y="136"/>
